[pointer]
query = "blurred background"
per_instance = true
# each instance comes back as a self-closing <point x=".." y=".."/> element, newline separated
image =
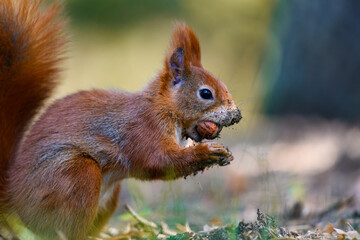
<point x="292" y="66"/>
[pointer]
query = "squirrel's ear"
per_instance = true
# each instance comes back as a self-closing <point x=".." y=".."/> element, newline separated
<point x="176" y="65"/>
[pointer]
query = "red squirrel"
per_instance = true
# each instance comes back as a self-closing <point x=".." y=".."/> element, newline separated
<point x="61" y="172"/>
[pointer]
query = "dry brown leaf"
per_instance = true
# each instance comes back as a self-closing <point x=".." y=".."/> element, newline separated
<point x="329" y="229"/>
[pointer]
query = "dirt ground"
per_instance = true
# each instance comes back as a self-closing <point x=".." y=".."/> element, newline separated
<point x="305" y="172"/>
<point x="291" y="178"/>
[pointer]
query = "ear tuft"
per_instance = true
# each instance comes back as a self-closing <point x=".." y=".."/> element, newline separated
<point x="185" y="38"/>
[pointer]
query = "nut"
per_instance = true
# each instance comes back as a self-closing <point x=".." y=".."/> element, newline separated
<point x="206" y="129"/>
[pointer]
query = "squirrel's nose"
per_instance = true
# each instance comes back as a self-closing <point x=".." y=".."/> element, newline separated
<point x="236" y="116"/>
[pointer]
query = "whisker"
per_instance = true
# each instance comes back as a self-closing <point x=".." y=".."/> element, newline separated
<point x="246" y="101"/>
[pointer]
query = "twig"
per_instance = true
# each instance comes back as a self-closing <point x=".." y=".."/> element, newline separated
<point x="163" y="228"/>
<point x="141" y="219"/>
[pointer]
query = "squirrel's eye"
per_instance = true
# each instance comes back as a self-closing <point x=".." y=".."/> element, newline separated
<point x="206" y="94"/>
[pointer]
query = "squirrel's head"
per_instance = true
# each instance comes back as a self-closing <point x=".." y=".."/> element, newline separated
<point x="197" y="95"/>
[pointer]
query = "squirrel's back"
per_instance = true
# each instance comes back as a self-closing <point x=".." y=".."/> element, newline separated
<point x="31" y="46"/>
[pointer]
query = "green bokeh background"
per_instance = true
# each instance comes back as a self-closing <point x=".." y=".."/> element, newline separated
<point x="121" y="44"/>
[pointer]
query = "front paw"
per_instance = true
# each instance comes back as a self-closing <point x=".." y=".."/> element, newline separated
<point x="218" y="154"/>
<point x="213" y="154"/>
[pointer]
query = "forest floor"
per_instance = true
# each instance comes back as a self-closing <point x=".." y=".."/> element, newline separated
<point x="292" y="179"/>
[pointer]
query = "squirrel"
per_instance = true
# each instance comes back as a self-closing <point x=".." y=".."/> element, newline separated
<point x="60" y="172"/>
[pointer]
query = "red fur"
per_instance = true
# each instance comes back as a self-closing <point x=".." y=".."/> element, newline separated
<point x="184" y="37"/>
<point x="64" y="175"/>
<point x="31" y="44"/>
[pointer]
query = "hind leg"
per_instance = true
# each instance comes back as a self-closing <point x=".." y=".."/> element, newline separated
<point x="59" y="199"/>
<point x="107" y="206"/>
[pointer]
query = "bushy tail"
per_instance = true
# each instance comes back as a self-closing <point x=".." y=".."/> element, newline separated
<point x="31" y="46"/>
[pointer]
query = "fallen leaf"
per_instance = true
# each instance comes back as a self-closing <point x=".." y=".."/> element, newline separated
<point x="329" y="229"/>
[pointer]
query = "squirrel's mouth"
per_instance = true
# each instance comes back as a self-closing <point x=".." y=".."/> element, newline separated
<point x="203" y="130"/>
<point x="211" y="124"/>
<point x="208" y="129"/>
